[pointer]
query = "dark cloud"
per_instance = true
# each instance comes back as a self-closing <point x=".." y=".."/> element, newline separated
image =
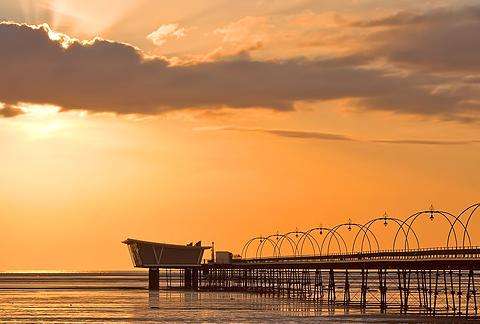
<point x="109" y="76"/>
<point x="448" y="105"/>
<point x="308" y="135"/>
<point x="426" y="142"/>
<point x="295" y="134"/>
<point x="102" y="75"/>
<point x="9" y="112"/>
<point x="285" y="133"/>
<point x="437" y="15"/>
<point x="312" y="135"/>
<point x="443" y="39"/>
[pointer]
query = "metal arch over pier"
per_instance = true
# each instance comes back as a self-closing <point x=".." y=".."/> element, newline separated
<point x="404" y="278"/>
<point x="364" y="232"/>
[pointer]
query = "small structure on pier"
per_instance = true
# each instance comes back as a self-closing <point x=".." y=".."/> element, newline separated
<point x="154" y="255"/>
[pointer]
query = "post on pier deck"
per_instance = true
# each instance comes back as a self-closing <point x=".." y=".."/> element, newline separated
<point x="153" y="279"/>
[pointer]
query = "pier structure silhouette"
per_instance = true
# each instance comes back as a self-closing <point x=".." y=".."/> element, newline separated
<point x="322" y="267"/>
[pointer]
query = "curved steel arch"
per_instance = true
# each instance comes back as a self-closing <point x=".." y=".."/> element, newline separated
<point x="452" y="228"/>
<point x="468" y="222"/>
<point x="262" y="242"/>
<point x="303" y="238"/>
<point x="296" y="232"/>
<point x="406" y="227"/>
<point x="473" y="209"/>
<point x="276" y="251"/>
<point x="311" y="239"/>
<point x="394" y="219"/>
<point x="321" y="229"/>
<point x="249" y="242"/>
<point x="429" y="213"/>
<point x="359" y="226"/>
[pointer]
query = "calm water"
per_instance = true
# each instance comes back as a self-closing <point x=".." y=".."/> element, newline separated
<point x="122" y="297"/>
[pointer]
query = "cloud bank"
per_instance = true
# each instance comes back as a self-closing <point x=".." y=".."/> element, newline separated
<point x="42" y="67"/>
<point x="444" y="39"/>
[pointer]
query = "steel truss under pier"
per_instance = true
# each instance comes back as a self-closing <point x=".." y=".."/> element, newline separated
<point x="431" y="286"/>
<point x="432" y="292"/>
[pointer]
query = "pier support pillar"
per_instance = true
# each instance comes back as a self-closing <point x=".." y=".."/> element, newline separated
<point x="153" y="279"/>
<point x="188" y="278"/>
<point x="194" y="279"/>
<point x="191" y="278"/>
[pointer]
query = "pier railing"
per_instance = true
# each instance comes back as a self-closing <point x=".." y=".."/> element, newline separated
<point x="416" y="254"/>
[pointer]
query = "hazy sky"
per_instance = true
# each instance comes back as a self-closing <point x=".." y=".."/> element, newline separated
<point x="218" y="120"/>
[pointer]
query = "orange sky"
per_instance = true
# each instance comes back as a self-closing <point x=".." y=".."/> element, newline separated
<point x="320" y="115"/>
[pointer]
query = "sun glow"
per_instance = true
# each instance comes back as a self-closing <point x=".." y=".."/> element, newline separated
<point x="88" y="17"/>
<point x="39" y="110"/>
<point x="49" y="129"/>
<point x="63" y="39"/>
<point x="40" y="121"/>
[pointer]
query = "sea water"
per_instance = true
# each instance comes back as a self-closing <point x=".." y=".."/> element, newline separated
<point x="122" y="297"/>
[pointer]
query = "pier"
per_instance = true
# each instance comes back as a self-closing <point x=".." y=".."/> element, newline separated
<point x="405" y="279"/>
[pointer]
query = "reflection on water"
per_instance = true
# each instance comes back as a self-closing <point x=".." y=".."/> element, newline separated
<point x="63" y="299"/>
<point x="154" y="299"/>
<point x="139" y="305"/>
